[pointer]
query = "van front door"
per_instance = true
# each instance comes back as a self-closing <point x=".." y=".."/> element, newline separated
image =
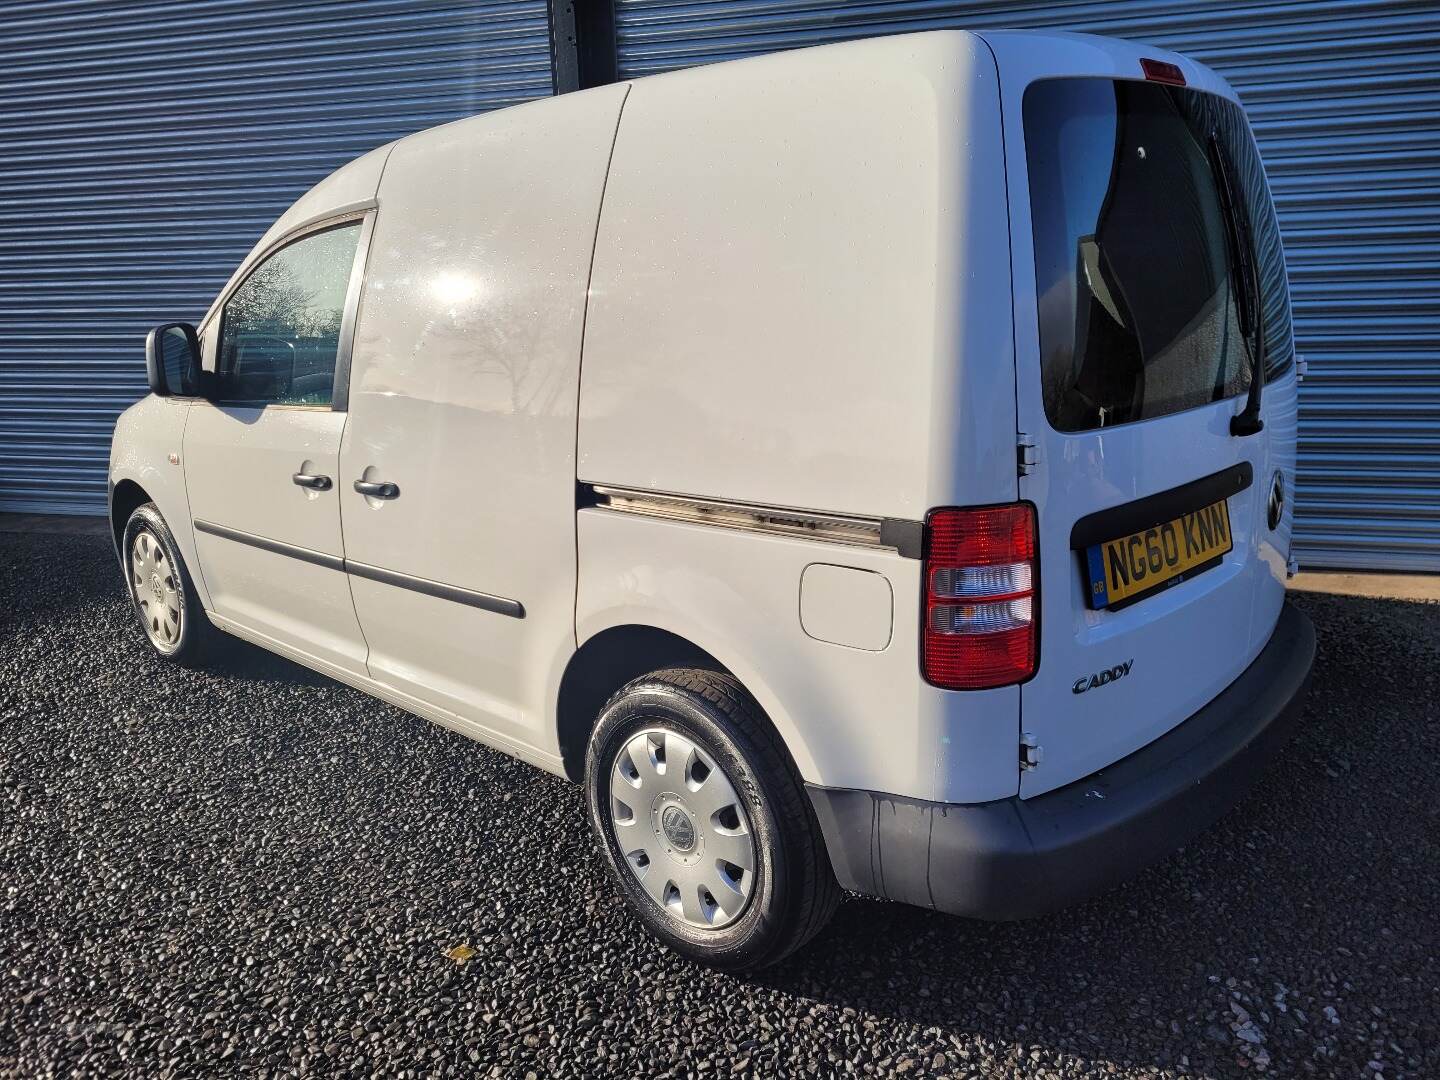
<point x="262" y="454"/>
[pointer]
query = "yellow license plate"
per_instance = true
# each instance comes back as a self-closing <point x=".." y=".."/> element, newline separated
<point x="1126" y="569"/>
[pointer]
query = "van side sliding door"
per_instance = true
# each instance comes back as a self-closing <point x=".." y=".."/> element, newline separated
<point x="457" y="471"/>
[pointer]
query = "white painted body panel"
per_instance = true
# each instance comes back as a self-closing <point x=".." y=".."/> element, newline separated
<point x="849" y="717"/>
<point x="462" y="392"/>
<point x="238" y="466"/>
<point x="1185" y="644"/>
<point x="803" y="261"/>
<point x="842" y="605"/>
<point x="1282" y="425"/>
<point x="147" y="435"/>
<point x="785" y="281"/>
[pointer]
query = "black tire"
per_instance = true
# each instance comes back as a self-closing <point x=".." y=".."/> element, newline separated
<point x="794" y="892"/>
<point x="197" y="640"/>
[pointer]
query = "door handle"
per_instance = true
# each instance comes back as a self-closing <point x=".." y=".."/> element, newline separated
<point x="311" y="481"/>
<point x="377" y="490"/>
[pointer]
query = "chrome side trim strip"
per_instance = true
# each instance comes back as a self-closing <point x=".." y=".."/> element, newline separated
<point x="319" y="558"/>
<point x="897" y="534"/>
<point x="498" y="604"/>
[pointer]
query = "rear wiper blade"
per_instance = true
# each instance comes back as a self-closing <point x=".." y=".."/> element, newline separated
<point x="1234" y="239"/>
<point x="1247" y="294"/>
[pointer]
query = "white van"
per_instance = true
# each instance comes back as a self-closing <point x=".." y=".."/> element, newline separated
<point x="846" y="463"/>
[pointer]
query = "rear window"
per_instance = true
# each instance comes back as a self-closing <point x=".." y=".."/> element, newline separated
<point x="1142" y="306"/>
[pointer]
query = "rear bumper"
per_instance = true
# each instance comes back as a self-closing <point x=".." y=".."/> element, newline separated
<point x="1016" y="858"/>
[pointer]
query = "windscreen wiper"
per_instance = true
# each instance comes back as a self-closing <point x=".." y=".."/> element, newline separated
<point x="1247" y="421"/>
<point x="1247" y="295"/>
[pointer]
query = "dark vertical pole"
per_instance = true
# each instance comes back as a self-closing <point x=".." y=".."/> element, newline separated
<point x="582" y="43"/>
<point x="564" y="64"/>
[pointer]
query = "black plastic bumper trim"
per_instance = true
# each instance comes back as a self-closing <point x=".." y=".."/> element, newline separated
<point x="1017" y="858"/>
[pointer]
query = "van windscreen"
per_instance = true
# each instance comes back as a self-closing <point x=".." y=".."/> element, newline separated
<point x="1144" y="203"/>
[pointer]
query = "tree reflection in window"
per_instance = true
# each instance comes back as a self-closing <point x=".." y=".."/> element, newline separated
<point x="280" y="330"/>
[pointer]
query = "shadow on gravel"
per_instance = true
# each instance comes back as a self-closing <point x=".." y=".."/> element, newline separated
<point x="244" y="661"/>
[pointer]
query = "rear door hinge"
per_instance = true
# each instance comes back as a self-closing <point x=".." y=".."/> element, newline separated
<point x="1301" y="368"/>
<point x="1025" y="458"/>
<point x="1031" y="752"/>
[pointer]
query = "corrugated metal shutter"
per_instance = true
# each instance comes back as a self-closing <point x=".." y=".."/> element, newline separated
<point x="144" y="147"/>
<point x="1345" y="101"/>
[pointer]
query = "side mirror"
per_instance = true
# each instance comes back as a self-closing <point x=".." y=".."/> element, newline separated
<point x="172" y="360"/>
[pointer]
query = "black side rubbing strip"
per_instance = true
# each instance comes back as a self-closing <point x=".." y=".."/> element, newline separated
<point x="1161" y="507"/>
<point x="319" y="558"/>
<point x="498" y="604"/>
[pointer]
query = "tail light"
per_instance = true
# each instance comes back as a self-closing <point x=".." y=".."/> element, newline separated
<point x="980" y="597"/>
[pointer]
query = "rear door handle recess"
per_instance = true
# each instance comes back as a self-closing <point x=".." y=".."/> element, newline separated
<point x="309" y="480"/>
<point x="377" y="490"/>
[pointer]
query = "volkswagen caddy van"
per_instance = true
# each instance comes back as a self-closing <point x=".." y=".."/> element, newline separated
<point x="862" y="468"/>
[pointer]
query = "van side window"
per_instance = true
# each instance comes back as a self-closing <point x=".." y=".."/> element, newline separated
<point x="280" y="330"/>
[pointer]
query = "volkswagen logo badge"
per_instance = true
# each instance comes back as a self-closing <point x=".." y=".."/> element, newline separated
<point x="1277" y="499"/>
<point x="678" y="829"/>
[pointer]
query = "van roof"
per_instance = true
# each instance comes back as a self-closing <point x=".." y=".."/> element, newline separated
<point x="1063" y="51"/>
<point x="1027" y="53"/>
<point x="1059" y="52"/>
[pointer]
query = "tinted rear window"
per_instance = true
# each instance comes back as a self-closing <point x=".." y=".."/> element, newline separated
<point x="1138" y="304"/>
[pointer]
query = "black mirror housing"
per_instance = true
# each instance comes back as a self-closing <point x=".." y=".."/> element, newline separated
<point x="172" y="360"/>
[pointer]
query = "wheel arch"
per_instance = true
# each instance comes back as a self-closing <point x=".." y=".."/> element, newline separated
<point x="602" y="665"/>
<point x="131" y="488"/>
<point x="125" y="498"/>
<point x="616" y="654"/>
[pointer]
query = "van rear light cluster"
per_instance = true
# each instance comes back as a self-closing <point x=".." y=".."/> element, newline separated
<point x="980" y="597"/>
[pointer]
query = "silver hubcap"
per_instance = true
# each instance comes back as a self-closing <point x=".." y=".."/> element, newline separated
<point x="157" y="590"/>
<point x="681" y="828"/>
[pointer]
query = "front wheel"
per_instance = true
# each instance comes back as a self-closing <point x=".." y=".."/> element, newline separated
<point x="704" y="821"/>
<point x="161" y="592"/>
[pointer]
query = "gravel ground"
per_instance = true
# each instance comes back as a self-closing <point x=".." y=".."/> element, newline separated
<point x="255" y="869"/>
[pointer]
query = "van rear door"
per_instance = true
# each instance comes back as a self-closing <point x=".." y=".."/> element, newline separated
<point x="1138" y="319"/>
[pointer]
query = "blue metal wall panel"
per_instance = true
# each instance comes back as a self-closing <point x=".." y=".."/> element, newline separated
<point x="144" y="147"/>
<point x="1345" y="101"/>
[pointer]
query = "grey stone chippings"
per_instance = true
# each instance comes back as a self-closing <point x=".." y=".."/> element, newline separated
<point x="254" y="869"/>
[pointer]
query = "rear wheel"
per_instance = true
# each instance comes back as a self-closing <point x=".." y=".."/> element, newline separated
<point x="704" y="821"/>
<point x="161" y="591"/>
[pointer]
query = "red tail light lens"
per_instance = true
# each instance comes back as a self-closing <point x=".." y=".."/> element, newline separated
<point x="980" y="597"/>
